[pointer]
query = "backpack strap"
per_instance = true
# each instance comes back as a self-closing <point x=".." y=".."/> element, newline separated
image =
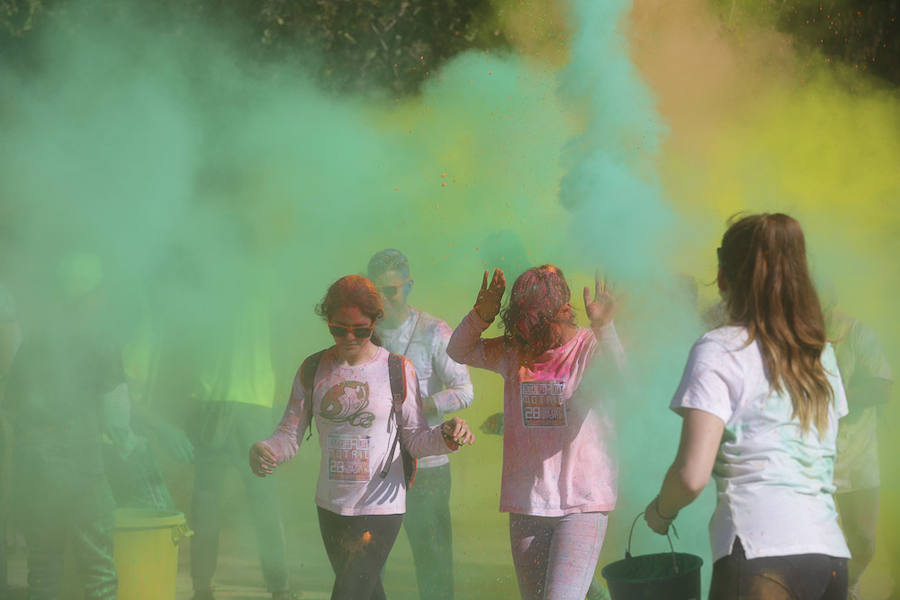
<point x="397" y="375"/>
<point x="308" y="381"/>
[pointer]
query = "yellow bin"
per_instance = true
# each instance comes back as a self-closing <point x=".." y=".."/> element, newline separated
<point x="146" y="552"/>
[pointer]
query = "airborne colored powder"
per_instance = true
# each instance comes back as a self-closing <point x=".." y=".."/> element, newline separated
<point x="760" y="121"/>
<point x="613" y="136"/>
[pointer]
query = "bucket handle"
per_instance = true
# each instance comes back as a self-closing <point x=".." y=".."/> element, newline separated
<point x="668" y="537"/>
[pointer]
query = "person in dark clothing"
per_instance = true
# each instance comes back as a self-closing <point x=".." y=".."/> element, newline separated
<point x="236" y="397"/>
<point x="59" y="384"/>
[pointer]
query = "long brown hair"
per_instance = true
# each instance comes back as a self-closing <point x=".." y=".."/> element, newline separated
<point x="537" y="297"/>
<point x="770" y="292"/>
<point x="352" y="290"/>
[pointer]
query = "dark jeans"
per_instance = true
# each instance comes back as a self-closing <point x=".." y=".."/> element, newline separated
<point x="223" y="435"/>
<point x="796" y="577"/>
<point x="85" y="515"/>
<point x="358" y="547"/>
<point x="427" y="524"/>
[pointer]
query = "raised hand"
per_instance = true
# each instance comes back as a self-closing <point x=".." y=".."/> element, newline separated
<point x="262" y="459"/>
<point x="487" y="305"/>
<point x="600" y="310"/>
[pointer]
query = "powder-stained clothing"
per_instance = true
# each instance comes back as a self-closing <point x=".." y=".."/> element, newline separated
<point x="353" y="412"/>
<point x="423" y="339"/>
<point x="796" y="577"/>
<point x="555" y="557"/>
<point x="558" y="437"/>
<point x="859" y="357"/>
<point x="357" y="548"/>
<point x="774" y="480"/>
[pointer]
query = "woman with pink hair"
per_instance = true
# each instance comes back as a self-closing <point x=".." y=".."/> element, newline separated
<point x="559" y="476"/>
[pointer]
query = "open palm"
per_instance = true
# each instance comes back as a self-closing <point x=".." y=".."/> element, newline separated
<point x="602" y="307"/>
<point x="487" y="305"/>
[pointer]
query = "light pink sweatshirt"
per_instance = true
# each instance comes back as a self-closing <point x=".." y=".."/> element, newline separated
<point x="557" y="440"/>
<point x="352" y="406"/>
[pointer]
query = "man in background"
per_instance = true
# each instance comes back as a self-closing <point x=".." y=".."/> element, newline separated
<point x="445" y="387"/>
<point x="63" y="377"/>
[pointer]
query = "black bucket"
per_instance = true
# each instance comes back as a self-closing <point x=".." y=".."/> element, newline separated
<point x="669" y="575"/>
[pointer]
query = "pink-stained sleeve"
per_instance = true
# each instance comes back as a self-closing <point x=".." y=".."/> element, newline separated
<point x="415" y="435"/>
<point x="467" y="347"/>
<point x="289" y="433"/>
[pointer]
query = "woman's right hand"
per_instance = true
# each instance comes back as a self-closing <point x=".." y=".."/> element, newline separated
<point x="456" y="433"/>
<point x="487" y="305"/>
<point x="262" y="459"/>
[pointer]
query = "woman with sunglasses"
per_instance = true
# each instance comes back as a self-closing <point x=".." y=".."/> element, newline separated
<point x="361" y="492"/>
<point x="760" y="400"/>
<point x="559" y="476"/>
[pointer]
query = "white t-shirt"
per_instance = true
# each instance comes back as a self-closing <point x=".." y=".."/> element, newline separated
<point x="352" y="406"/>
<point x="558" y="440"/>
<point x="774" y="481"/>
<point x="423" y="339"/>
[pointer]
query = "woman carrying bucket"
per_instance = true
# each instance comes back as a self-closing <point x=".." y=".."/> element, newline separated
<point x="559" y="478"/>
<point x="362" y="415"/>
<point x="761" y="398"/>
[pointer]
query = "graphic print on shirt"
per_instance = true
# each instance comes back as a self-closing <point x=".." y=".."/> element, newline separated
<point x="346" y="403"/>
<point x="543" y="403"/>
<point x="348" y="457"/>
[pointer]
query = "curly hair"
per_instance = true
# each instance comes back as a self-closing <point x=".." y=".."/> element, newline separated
<point x="537" y="297"/>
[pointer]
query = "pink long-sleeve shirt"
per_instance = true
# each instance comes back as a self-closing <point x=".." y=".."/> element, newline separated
<point x="558" y="436"/>
<point x="352" y="408"/>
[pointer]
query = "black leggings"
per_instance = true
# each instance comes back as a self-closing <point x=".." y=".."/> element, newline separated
<point x="358" y="547"/>
<point x="796" y="577"/>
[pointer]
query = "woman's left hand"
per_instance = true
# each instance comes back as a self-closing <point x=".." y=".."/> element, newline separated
<point x="656" y="521"/>
<point x="456" y="433"/>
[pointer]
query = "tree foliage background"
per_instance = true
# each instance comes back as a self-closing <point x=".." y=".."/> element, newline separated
<point x="388" y="45"/>
<point x="395" y="45"/>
